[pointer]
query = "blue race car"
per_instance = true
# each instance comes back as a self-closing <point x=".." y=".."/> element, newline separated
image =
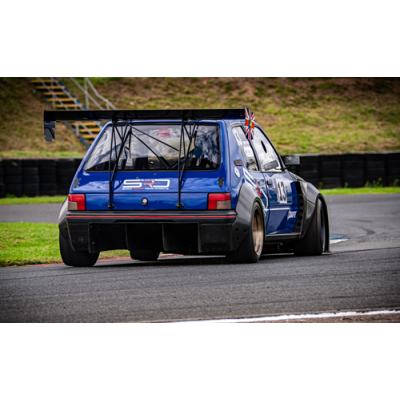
<point x="187" y="182"/>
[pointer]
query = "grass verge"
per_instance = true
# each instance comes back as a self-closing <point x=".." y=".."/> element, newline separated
<point x="32" y="200"/>
<point x="300" y="115"/>
<point x="24" y="243"/>
<point x="41" y="154"/>
<point x="364" y="190"/>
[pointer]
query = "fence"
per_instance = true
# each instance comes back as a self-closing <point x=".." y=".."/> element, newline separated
<point x="50" y="177"/>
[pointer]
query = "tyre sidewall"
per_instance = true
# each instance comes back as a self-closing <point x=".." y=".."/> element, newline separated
<point x="255" y="257"/>
<point x="76" y="258"/>
<point x="312" y="244"/>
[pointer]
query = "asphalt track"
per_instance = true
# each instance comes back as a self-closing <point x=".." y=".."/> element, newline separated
<point x="361" y="274"/>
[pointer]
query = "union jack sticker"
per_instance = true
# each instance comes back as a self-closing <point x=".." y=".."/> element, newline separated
<point x="249" y="122"/>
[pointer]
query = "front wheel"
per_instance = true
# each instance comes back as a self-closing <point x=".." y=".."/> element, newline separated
<point x="314" y="242"/>
<point x="250" y="249"/>
<point x="145" y="255"/>
<point x="76" y="258"/>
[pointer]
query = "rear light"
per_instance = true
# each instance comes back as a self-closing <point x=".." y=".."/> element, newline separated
<point x="76" y="202"/>
<point x="219" y="201"/>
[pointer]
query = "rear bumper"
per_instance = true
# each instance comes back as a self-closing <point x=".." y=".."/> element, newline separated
<point x="111" y="217"/>
<point x="187" y="232"/>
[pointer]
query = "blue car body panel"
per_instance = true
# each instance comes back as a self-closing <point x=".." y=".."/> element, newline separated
<point x="195" y="185"/>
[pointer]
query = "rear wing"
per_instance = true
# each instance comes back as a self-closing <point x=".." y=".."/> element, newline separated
<point x="50" y="117"/>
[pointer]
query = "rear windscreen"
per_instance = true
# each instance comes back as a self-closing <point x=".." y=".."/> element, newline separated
<point x="156" y="147"/>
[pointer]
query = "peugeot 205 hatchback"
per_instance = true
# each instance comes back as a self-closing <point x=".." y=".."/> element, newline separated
<point x="188" y="182"/>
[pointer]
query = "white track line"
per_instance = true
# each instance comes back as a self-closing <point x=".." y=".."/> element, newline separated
<point x="302" y="316"/>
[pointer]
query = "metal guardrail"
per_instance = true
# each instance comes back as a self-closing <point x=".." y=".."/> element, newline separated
<point x="55" y="84"/>
<point x="89" y="97"/>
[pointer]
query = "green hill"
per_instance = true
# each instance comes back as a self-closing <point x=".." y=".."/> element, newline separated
<point x="301" y="115"/>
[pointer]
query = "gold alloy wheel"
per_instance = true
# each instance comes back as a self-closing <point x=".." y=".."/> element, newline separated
<point x="257" y="231"/>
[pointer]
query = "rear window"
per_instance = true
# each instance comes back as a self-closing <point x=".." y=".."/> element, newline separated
<point x="156" y="147"/>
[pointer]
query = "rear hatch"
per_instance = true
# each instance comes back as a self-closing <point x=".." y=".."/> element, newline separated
<point x="147" y="173"/>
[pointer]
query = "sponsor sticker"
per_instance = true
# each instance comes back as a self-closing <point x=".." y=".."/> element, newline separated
<point x="291" y="214"/>
<point x="145" y="184"/>
<point x="248" y="151"/>
<point x="163" y="132"/>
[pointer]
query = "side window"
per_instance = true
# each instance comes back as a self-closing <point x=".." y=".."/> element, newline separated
<point x="269" y="160"/>
<point x="245" y="148"/>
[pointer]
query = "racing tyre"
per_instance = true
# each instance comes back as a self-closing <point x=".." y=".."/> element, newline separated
<point x="250" y="249"/>
<point x="145" y="255"/>
<point x="314" y="242"/>
<point x="76" y="258"/>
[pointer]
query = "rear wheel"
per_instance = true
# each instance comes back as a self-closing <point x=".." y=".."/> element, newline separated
<point x="76" y="258"/>
<point x="145" y="255"/>
<point x="314" y="242"/>
<point x="250" y="249"/>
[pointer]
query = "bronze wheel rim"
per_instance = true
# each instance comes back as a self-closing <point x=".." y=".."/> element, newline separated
<point x="257" y="232"/>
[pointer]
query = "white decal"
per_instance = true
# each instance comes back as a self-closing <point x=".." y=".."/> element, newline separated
<point x="237" y="137"/>
<point x="237" y="173"/>
<point x="292" y="214"/>
<point x="248" y="151"/>
<point x="145" y="184"/>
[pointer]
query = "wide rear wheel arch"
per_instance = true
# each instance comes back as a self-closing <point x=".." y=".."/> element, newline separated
<point x="316" y="239"/>
<point x="251" y="247"/>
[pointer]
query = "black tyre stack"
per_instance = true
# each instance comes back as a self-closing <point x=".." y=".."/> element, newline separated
<point x="48" y="177"/>
<point x="77" y="162"/>
<point x="375" y="169"/>
<point x="292" y="168"/>
<point x="309" y="169"/>
<point x="65" y="174"/>
<point x="353" y="170"/>
<point x="330" y="171"/>
<point x="2" y="185"/>
<point x="393" y="169"/>
<point x="30" y="177"/>
<point x="13" y="176"/>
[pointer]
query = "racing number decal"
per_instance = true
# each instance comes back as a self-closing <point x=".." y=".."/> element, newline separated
<point x="281" y="192"/>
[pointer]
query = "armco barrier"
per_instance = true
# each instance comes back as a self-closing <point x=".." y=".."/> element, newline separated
<point x="51" y="176"/>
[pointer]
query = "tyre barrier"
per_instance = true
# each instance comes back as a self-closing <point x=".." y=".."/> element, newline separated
<point x="308" y="168"/>
<point x="349" y="170"/>
<point x="330" y="167"/>
<point x="37" y="177"/>
<point x="50" y="176"/>
<point x="2" y="185"/>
